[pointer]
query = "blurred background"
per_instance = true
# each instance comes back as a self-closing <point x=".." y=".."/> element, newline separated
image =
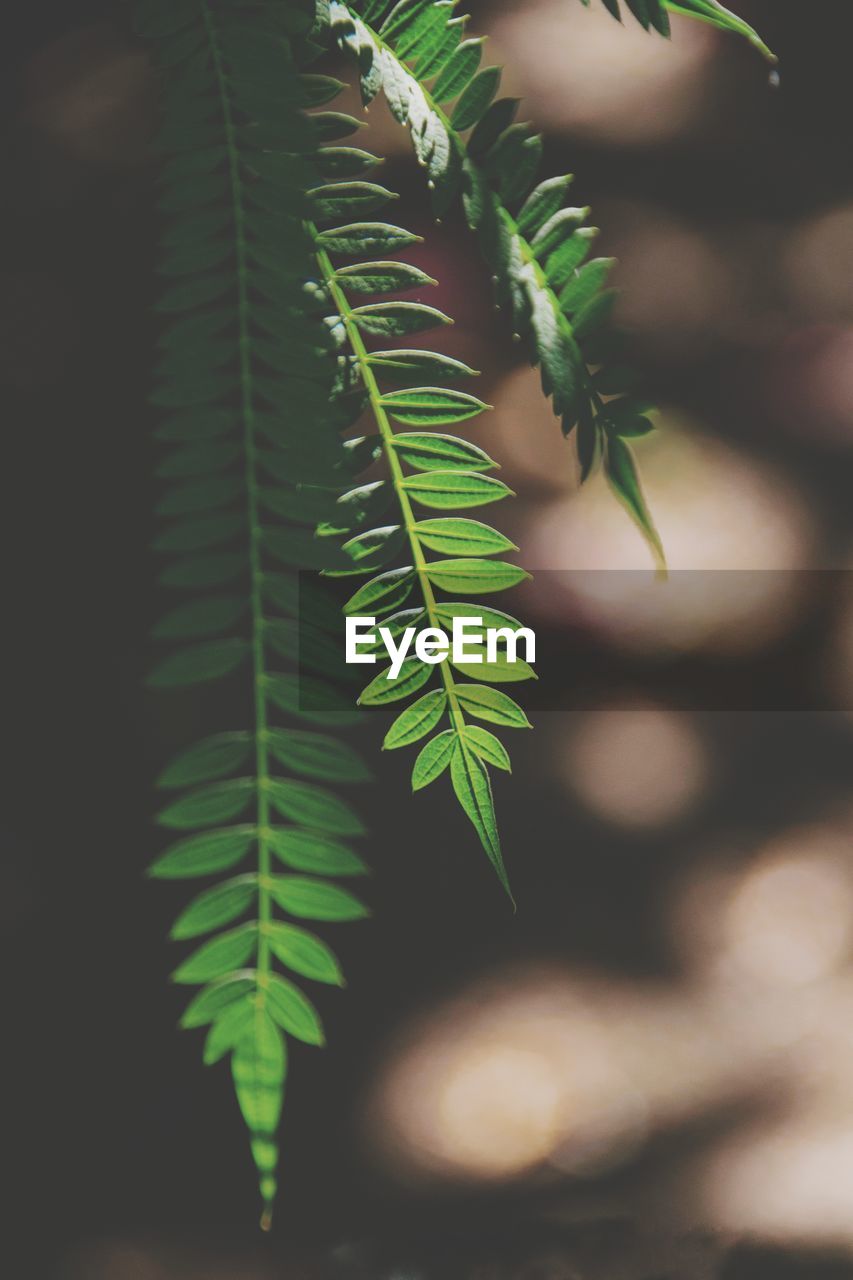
<point x="661" y="1040"/>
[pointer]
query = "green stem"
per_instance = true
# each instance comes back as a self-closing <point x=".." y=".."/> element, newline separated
<point x="386" y="432"/>
<point x="264" y="962"/>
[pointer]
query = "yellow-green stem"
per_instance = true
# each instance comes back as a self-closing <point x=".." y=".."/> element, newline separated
<point x="263" y="959"/>
<point x="386" y="433"/>
<point x="254" y="526"/>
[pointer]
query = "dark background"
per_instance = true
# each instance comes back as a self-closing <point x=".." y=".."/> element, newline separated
<point x="118" y="1144"/>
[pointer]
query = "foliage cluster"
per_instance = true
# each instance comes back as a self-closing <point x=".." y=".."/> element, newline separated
<point x="285" y="309"/>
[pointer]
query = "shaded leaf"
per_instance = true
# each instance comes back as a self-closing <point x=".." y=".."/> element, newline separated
<point x="203" y="854"/>
<point x="310" y="851"/>
<point x="433" y="759"/>
<point x="208" y="805"/>
<point x="303" y="953"/>
<point x="393" y="319"/>
<point x="221" y="955"/>
<point x="416" y="721"/>
<point x="492" y="705"/>
<point x="215" y="998"/>
<point x="624" y="481"/>
<point x="363" y="239"/>
<point x="448" y="489"/>
<point x="474" y="792"/>
<point x="201" y="662"/>
<point x="487" y="747"/>
<point x="432" y="406"/>
<point x="382" y="277"/>
<point x="414" y="674"/>
<point x="383" y="593"/>
<point x="456" y="536"/>
<point x="474" y="576"/>
<point x="212" y="758"/>
<point x="315" y="899"/>
<point x="316" y="756"/>
<point x="415" y="365"/>
<point x="293" y="1011"/>
<point x="217" y="906"/>
<point x="258" y="1066"/>
<point x="313" y="807"/>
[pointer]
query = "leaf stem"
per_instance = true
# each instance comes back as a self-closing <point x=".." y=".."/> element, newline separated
<point x="386" y="432"/>
<point x="247" y="411"/>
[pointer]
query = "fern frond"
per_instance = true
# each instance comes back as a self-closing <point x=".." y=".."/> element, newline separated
<point x="439" y="472"/>
<point x="280" y="312"/>
<point x="536" y="248"/>
<point x="245" y="360"/>
<point x="654" y="14"/>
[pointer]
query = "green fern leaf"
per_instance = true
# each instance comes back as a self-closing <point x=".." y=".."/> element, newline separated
<point x="243" y="338"/>
<point x="443" y="472"/>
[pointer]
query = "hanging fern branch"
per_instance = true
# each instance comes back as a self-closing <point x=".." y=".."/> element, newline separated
<point x="537" y="248"/>
<point x="266" y="358"/>
<point x="239" y="158"/>
<point x="445" y="474"/>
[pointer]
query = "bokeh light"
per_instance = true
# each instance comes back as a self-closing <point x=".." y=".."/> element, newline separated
<point x="537" y="460"/>
<point x="514" y="1075"/>
<point x="721" y="1087"/>
<point x="89" y="91"/>
<point x="791" y="920"/>
<point x="641" y="766"/>
<point x="676" y="285"/>
<point x="808" y="385"/>
<point x="718" y="511"/>
<point x="788" y="1183"/>
<point x="782" y="919"/>
<point x="814" y="252"/>
<point x="602" y="80"/>
<point x="837" y="673"/>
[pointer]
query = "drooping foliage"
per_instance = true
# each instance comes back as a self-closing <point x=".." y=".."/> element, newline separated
<point x="239" y="376"/>
<point x="444" y="554"/>
<point x="281" y="314"/>
<point x="536" y="245"/>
